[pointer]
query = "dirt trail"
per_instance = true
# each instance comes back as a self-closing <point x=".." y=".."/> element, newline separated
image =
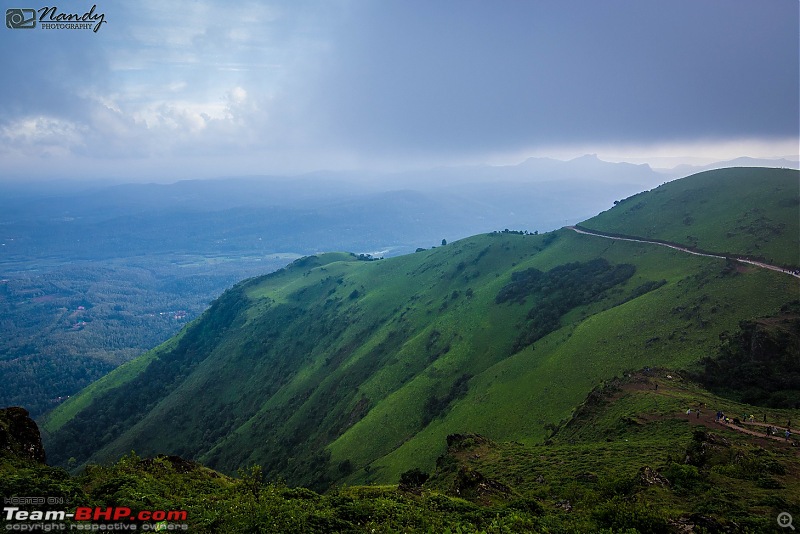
<point x="708" y="420"/>
<point x="759" y="437"/>
<point x="779" y="437"/>
<point x="796" y="274"/>
<point x="707" y="416"/>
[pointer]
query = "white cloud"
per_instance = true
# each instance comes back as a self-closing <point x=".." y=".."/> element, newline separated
<point x="238" y="95"/>
<point x="42" y="136"/>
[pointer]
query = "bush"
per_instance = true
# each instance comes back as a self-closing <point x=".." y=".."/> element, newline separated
<point x="413" y="478"/>
<point x="557" y="291"/>
<point x="621" y="515"/>
<point x="683" y="477"/>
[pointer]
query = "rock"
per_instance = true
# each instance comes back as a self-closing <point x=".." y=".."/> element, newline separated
<point x="701" y="523"/>
<point x="717" y="440"/>
<point x="19" y="435"/>
<point x="565" y="505"/>
<point x="651" y="477"/>
<point x="462" y="441"/>
<point x="474" y="486"/>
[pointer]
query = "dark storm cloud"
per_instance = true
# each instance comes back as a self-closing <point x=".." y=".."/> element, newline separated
<point x="480" y="75"/>
<point x="204" y="86"/>
<point x="45" y="72"/>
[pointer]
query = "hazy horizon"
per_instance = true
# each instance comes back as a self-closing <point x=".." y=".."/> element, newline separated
<point x="669" y="168"/>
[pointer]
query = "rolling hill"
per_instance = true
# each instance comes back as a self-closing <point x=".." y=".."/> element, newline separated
<point x="338" y="369"/>
<point x="743" y="211"/>
<point x="89" y="273"/>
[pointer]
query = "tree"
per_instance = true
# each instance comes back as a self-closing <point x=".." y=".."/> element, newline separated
<point x="444" y="242"/>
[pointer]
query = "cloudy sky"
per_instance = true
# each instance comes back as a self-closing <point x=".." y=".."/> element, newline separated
<point x="172" y="90"/>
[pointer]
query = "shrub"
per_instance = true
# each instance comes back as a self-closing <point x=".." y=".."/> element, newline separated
<point x="621" y="515"/>
<point x="413" y="478"/>
<point x="683" y="477"/>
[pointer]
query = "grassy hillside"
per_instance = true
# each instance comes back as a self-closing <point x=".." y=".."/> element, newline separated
<point x="632" y="458"/>
<point x="629" y="460"/>
<point x="337" y="369"/>
<point x="744" y="211"/>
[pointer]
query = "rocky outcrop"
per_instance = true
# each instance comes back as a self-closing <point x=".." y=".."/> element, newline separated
<point x="19" y="436"/>
<point x="707" y="448"/>
<point x="474" y="486"/>
<point x="650" y="477"/>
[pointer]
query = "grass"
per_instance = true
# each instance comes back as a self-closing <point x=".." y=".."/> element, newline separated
<point x="598" y="457"/>
<point x="59" y="416"/>
<point x="322" y="372"/>
<point x="540" y="387"/>
<point x="744" y="211"/>
<point x="618" y="465"/>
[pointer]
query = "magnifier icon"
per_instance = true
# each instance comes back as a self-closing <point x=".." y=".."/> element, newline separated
<point x="785" y="520"/>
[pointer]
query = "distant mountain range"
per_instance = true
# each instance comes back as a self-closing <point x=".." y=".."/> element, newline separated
<point x="304" y="214"/>
<point x="685" y="170"/>
<point x="396" y="212"/>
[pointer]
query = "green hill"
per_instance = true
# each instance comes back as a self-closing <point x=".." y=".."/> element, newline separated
<point x="629" y="460"/>
<point x="632" y="458"/>
<point x="742" y="211"/>
<point x="337" y="369"/>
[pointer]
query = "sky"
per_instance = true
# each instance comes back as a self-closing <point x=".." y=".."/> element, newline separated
<point x="195" y="89"/>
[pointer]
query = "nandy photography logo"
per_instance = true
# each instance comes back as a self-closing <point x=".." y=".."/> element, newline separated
<point x="50" y="18"/>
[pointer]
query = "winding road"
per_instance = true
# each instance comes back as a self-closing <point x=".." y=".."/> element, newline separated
<point x="796" y="274"/>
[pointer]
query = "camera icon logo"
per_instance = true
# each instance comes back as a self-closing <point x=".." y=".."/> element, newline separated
<point x="18" y="18"/>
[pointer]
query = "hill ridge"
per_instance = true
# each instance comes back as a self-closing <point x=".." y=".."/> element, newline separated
<point x="335" y="370"/>
<point x="677" y="246"/>
<point x="749" y="212"/>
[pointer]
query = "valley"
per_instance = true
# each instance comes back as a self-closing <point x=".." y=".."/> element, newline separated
<point x="551" y="382"/>
<point x="128" y="253"/>
<point x="361" y="373"/>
